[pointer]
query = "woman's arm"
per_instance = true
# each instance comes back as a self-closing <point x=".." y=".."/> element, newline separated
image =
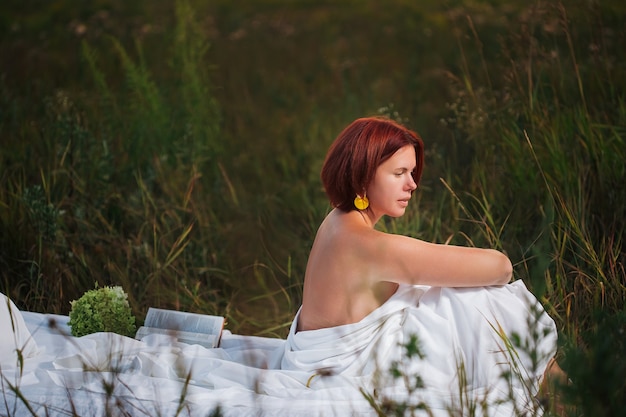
<point x="407" y="260"/>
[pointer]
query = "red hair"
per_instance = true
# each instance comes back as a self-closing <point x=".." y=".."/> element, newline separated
<point x="353" y="158"/>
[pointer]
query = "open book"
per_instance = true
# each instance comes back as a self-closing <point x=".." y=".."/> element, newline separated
<point x="192" y="328"/>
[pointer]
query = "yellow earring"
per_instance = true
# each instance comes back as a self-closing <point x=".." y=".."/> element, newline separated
<point x="361" y="202"/>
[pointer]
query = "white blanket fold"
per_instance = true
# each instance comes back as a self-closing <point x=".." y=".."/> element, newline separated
<point x="466" y="329"/>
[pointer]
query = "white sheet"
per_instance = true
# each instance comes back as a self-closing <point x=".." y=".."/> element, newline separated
<point x="311" y="373"/>
<point x="14" y="335"/>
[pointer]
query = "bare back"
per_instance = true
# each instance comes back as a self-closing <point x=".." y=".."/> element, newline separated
<point x="336" y="289"/>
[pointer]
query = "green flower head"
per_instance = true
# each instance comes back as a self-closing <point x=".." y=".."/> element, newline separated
<point x="103" y="309"/>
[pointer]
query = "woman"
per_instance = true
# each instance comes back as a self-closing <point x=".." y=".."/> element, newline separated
<point x="367" y="292"/>
<point x="370" y="171"/>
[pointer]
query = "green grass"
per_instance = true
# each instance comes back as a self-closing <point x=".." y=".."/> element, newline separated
<point x="175" y="148"/>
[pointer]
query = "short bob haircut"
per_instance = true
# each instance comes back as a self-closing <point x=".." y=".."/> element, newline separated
<point x="354" y="156"/>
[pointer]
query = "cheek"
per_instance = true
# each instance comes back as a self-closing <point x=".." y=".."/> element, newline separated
<point x="379" y="191"/>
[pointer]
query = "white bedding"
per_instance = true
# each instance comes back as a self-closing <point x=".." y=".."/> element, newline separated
<point x="313" y="373"/>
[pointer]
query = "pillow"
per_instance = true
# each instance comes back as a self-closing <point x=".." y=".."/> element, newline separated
<point x="14" y="334"/>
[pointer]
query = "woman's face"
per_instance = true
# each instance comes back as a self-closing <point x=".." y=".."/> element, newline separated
<point x="393" y="184"/>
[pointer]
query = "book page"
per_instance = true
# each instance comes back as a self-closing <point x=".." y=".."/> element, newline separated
<point x="184" y="321"/>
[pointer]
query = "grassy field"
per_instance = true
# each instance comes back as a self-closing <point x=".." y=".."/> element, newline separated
<point x="174" y="148"/>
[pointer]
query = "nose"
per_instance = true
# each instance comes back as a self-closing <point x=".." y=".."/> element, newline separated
<point x="411" y="183"/>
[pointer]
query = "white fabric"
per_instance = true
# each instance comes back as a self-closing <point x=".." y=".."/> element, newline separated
<point x="321" y="372"/>
<point x="15" y="339"/>
<point x="468" y="327"/>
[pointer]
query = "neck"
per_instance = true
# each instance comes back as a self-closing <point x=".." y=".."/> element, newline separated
<point x="368" y="217"/>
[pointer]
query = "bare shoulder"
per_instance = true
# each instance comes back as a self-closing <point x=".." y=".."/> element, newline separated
<point x="340" y="227"/>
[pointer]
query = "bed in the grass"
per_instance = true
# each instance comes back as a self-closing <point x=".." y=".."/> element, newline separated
<point x="467" y="360"/>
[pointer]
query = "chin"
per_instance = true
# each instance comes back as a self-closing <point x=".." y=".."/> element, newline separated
<point x="399" y="213"/>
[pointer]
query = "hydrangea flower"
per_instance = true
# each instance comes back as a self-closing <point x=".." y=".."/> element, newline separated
<point x="103" y="309"/>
